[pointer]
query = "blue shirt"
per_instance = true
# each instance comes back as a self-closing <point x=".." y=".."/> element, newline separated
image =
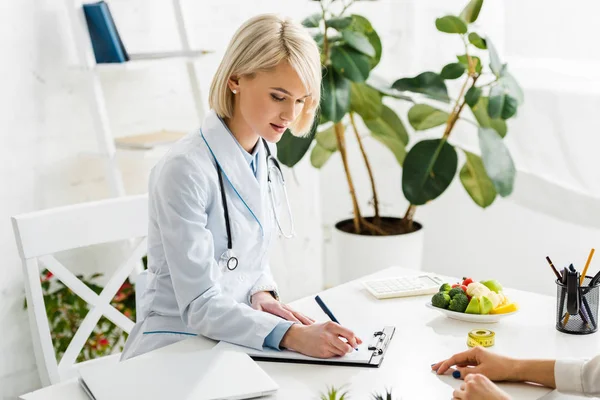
<point x="273" y="339"/>
<point x="251" y="158"/>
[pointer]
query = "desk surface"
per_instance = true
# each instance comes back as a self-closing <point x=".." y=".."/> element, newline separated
<point x="423" y="336"/>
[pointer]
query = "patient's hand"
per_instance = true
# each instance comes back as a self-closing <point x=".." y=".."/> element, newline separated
<point x="478" y="360"/>
<point x="478" y="387"/>
<point x="264" y="301"/>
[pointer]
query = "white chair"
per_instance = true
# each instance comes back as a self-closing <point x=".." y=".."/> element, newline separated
<point x="41" y="234"/>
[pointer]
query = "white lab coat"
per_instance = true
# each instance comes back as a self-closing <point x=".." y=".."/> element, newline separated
<point x="187" y="292"/>
<point x="581" y="377"/>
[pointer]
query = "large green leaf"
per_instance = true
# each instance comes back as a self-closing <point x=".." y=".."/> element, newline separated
<point x="495" y="63"/>
<point x="452" y="71"/>
<point x="350" y="63"/>
<point x="326" y="139"/>
<point x="481" y="114"/>
<point x="476" y="181"/>
<point x="451" y="24"/>
<point x="389" y="130"/>
<point x="335" y="99"/>
<point x="312" y="21"/>
<point x="428" y="170"/>
<point x="464" y="60"/>
<point x="339" y="23"/>
<point x="362" y="25"/>
<point x="423" y="116"/>
<point x="512" y="86"/>
<point x="497" y="161"/>
<point x="477" y="41"/>
<point x="510" y="107"/>
<point x="501" y="104"/>
<point x="385" y="88"/>
<point x="496" y="103"/>
<point x="471" y="11"/>
<point x="291" y="149"/>
<point x="428" y="83"/>
<point x="319" y="156"/>
<point x="472" y="96"/>
<point x="365" y="100"/>
<point x="359" y="42"/>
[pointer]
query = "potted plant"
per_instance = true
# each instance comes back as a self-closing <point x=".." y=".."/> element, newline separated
<point x="493" y="96"/>
<point x="350" y="49"/>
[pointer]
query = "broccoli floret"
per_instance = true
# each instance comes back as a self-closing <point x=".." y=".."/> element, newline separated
<point x="445" y="287"/>
<point x="459" y="303"/>
<point x="441" y="300"/>
<point x="455" y="291"/>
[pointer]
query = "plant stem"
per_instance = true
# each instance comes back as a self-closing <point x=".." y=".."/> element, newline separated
<point x="345" y="8"/>
<point x="341" y="143"/>
<point x="408" y="217"/>
<point x="369" y="170"/>
<point x="454" y="115"/>
<point x="372" y="227"/>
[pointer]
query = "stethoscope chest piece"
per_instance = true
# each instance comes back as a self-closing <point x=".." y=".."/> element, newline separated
<point x="228" y="260"/>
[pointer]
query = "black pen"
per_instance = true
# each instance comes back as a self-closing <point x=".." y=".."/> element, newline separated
<point x="327" y="311"/>
<point x="558" y="276"/>
<point x="595" y="279"/>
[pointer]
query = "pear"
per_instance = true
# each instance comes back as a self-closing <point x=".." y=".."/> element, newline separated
<point x="473" y="307"/>
<point x="493" y="285"/>
<point x="486" y="305"/>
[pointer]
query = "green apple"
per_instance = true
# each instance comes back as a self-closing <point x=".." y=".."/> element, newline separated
<point x="473" y="307"/>
<point x="486" y="305"/>
<point x="493" y="285"/>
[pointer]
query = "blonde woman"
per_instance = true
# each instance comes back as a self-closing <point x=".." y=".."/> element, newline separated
<point x="212" y="219"/>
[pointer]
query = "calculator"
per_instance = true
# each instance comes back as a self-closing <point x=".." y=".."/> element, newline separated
<point x="404" y="286"/>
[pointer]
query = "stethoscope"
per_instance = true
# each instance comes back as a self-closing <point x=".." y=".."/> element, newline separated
<point x="228" y="259"/>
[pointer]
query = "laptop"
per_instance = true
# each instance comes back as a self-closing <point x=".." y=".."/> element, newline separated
<point x="197" y="375"/>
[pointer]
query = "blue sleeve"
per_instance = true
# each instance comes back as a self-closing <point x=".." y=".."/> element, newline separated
<point x="273" y="339"/>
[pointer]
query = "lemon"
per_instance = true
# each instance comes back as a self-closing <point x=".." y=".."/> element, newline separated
<point x="507" y="308"/>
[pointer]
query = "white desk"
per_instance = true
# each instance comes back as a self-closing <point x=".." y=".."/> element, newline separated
<point x="423" y="336"/>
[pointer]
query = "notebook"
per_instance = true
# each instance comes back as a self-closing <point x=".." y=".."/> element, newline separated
<point x="370" y="354"/>
<point x="106" y="42"/>
<point x="198" y="375"/>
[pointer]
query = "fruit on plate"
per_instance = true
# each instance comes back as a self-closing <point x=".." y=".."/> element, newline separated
<point x="493" y="285"/>
<point x="486" y="305"/>
<point x="473" y="297"/>
<point x="473" y="307"/>
<point x="505" y="309"/>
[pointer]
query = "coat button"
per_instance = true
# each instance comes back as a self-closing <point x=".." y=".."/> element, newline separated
<point x="242" y="277"/>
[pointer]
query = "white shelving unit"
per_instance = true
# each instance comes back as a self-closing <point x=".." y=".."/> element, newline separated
<point x="107" y="144"/>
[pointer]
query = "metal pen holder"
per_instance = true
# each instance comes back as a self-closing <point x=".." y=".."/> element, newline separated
<point x="577" y="307"/>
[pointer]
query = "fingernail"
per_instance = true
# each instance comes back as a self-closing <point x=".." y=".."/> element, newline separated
<point x="456" y="374"/>
<point x="432" y="365"/>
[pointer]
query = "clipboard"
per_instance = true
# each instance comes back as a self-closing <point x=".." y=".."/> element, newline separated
<point x="370" y="355"/>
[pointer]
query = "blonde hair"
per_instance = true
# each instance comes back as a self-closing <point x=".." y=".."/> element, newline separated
<point x="260" y="44"/>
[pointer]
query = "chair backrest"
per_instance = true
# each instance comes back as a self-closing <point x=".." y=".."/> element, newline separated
<point x="41" y="234"/>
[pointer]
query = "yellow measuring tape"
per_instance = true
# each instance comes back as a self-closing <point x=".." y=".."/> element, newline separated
<point x="481" y="337"/>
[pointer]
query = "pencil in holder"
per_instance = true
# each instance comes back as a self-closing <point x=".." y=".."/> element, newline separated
<point x="582" y="302"/>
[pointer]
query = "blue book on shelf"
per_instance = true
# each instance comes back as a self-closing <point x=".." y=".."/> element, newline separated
<point x="106" y="42"/>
